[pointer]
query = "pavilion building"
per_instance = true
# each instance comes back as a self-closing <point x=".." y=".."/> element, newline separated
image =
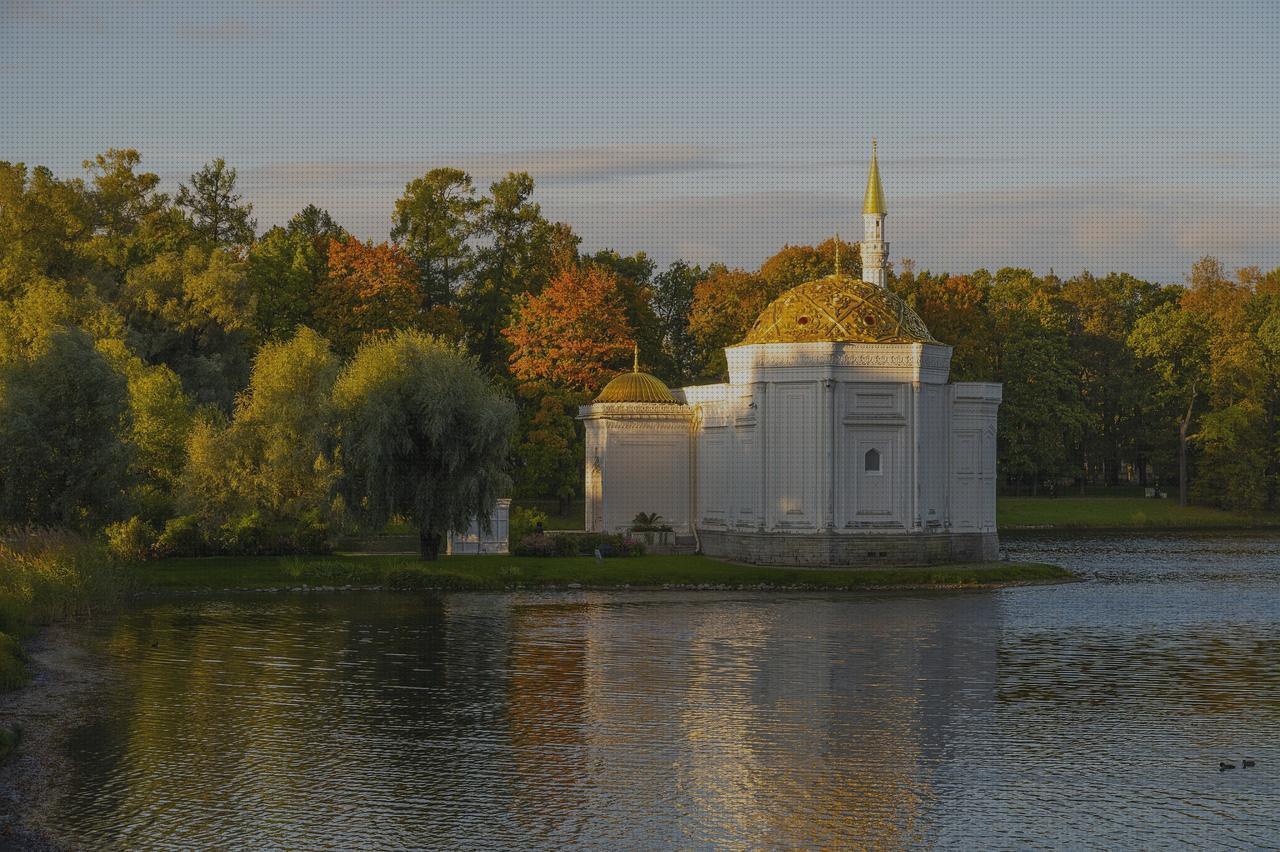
<point x="837" y="441"/>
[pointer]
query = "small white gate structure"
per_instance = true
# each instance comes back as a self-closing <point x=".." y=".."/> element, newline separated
<point x="473" y="541"/>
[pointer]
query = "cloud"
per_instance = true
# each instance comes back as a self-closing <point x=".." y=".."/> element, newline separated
<point x="704" y="206"/>
<point x="557" y="165"/>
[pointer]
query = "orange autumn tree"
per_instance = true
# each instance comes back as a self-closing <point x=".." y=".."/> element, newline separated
<point x="725" y="305"/>
<point x="369" y="289"/>
<point x="574" y="333"/>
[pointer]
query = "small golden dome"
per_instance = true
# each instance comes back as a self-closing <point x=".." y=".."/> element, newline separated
<point x="838" y="309"/>
<point x="636" y="387"/>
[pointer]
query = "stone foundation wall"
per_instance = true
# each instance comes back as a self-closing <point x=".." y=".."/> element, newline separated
<point x="862" y="550"/>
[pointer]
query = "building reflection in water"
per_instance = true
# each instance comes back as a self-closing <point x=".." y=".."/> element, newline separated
<point x="630" y="720"/>
<point x="782" y="722"/>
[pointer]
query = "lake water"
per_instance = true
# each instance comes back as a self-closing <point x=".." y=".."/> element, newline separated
<point x="1090" y="714"/>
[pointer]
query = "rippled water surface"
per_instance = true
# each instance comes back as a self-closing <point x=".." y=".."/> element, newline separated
<point x="1091" y="714"/>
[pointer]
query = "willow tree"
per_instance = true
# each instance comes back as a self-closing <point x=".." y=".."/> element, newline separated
<point x="422" y="434"/>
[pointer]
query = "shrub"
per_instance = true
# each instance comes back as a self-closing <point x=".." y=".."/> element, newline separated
<point x="309" y="534"/>
<point x="242" y="535"/>
<point x="13" y="668"/>
<point x="565" y="545"/>
<point x="535" y="545"/>
<point x="181" y="537"/>
<point x="649" y="522"/>
<point x="578" y="544"/>
<point x="525" y="521"/>
<point x="46" y="573"/>
<point x="133" y="540"/>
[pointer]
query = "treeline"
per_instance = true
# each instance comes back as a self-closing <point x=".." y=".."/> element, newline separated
<point x="166" y="369"/>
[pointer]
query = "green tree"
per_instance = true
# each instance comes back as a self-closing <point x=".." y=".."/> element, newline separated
<point x="795" y="265"/>
<point x="287" y="270"/>
<point x="221" y="215"/>
<point x="161" y="417"/>
<point x="1042" y="417"/>
<point x="64" y="413"/>
<point x="521" y="251"/>
<point x="1113" y="385"/>
<point x="434" y="222"/>
<point x="1175" y="343"/>
<point x="549" y="449"/>
<point x="673" y="290"/>
<point x="635" y="284"/>
<point x="43" y="223"/>
<point x="195" y="312"/>
<point x="422" y="434"/>
<point x="270" y="470"/>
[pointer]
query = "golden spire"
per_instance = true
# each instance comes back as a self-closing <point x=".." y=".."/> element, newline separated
<point x="874" y="202"/>
<point x="635" y="357"/>
<point x="837" y="252"/>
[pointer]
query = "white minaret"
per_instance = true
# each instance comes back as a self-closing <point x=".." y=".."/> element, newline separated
<point x="875" y="251"/>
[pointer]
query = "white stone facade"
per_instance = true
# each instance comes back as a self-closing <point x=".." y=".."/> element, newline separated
<point x="475" y="541"/>
<point x="807" y="454"/>
<point x="837" y="441"/>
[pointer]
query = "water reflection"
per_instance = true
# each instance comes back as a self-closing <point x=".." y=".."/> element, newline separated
<point x="1086" y="714"/>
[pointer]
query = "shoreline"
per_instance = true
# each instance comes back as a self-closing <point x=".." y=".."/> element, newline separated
<point x="201" y="591"/>
<point x="1188" y="529"/>
<point x="347" y="572"/>
<point x="63" y="669"/>
<point x="44" y="711"/>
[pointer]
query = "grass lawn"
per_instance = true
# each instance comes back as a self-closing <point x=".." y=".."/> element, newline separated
<point x="500" y="572"/>
<point x="1119" y="513"/>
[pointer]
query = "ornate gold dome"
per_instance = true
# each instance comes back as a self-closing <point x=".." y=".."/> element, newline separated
<point x="838" y="309"/>
<point x="636" y="387"/>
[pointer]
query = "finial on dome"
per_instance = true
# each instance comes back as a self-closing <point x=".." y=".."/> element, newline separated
<point x="635" y="357"/>
<point x="837" y="252"/>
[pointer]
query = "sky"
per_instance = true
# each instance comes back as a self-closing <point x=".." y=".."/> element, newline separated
<point x="1119" y="136"/>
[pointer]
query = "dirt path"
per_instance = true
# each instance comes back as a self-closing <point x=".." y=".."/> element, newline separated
<point x="45" y="710"/>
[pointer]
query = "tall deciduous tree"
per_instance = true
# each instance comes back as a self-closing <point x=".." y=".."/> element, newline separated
<point x="435" y="221"/>
<point x="673" y="290"/>
<point x="265" y="480"/>
<point x="43" y="224"/>
<point x="1176" y="343"/>
<point x="221" y="215"/>
<point x="288" y="267"/>
<point x="635" y="274"/>
<point x="574" y="333"/>
<point x="64" y="414"/>
<point x="725" y="305"/>
<point x="519" y="253"/>
<point x="194" y="311"/>
<point x="370" y="289"/>
<point x="794" y="265"/>
<point x="423" y="434"/>
<point x="1042" y="415"/>
<point x="549" y="450"/>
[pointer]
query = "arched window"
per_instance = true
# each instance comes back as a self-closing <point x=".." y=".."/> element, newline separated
<point x="871" y="461"/>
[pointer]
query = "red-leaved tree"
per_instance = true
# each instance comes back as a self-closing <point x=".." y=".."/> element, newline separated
<point x="369" y="289"/>
<point x="574" y="333"/>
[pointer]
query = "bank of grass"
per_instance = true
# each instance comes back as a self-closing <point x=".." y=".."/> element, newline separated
<point x="486" y="573"/>
<point x="46" y="574"/>
<point x="1120" y="513"/>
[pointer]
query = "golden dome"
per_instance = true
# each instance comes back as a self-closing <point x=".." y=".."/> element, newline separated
<point x="636" y="387"/>
<point x="838" y="309"/>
